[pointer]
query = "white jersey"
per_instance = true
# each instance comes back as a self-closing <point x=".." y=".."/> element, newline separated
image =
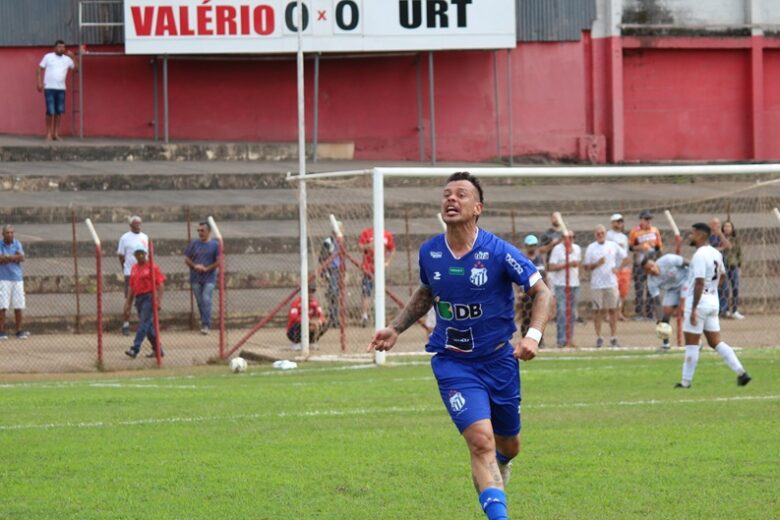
<point x="56" y="70"/>
<point x="127" y="246"/>
<point x="707" y="263"/>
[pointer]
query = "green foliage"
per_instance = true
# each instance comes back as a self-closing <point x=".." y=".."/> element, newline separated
<point x="605" y="436"/>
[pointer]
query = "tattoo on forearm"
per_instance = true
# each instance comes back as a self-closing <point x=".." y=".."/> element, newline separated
<point x="421" y="301"/>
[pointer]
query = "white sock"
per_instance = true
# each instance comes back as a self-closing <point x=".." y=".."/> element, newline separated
<point x="728" y="355"/>
<point x="689" y="365"/>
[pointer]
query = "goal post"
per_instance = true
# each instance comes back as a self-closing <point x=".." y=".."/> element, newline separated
<point x="383" y="197"/>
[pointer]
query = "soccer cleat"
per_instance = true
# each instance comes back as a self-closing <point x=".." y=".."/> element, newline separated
<point x="131" y="353"/>
<point x="3" y="336"/>
<point x="506" y="472"/>
<point x="22" y="334"/>
<point x="599" y="342"/>
<point x="743" y="379"/>
<point x="737" y="315"/>
<point x="680" y="385"/>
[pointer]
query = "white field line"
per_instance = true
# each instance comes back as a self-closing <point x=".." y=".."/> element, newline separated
<point x="358" y="412"/>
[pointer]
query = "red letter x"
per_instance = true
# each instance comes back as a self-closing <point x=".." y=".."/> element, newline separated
<point x="321" y="16"/>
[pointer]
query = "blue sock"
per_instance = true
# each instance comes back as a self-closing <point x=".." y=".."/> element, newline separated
<point x="493" y="502"/>
<point x="502" y="459"/>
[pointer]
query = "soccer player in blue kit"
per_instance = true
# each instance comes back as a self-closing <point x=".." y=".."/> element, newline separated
<point x="467" y="274"/>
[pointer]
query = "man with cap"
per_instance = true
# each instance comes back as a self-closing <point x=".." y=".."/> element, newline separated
<point x="525" y="302"/>
<point x="645" y="242"/>
<point x="705" y="274"/>
<point x="617" y="235"/>
<point x="143" y="278"/>
<point x="125" y="250"/>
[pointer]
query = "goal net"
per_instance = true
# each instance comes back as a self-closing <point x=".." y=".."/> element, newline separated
<point x="519" y="203"/>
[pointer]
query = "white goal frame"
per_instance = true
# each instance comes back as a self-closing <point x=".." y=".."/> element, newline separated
<point x="378" y="175"/>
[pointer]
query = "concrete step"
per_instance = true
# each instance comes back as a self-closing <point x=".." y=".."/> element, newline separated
<point x="20" y="149"/>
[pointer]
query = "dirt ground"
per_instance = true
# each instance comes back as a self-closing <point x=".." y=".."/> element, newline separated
<point x="78" y="353"/>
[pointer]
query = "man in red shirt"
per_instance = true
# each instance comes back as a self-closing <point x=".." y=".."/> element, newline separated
<point x="317" y="325"/>
<point x="141" y="291"/>
<point x="366" y="243"/>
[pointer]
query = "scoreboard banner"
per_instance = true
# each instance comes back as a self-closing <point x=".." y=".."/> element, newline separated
<point x="270" y="26"/>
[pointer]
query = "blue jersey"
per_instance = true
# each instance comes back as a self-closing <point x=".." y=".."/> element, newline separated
<point x="473" y="295"/>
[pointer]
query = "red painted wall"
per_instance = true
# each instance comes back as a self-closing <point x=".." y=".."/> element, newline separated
<point x="371" y="101"/>
<point x="772" y="103"/>
<point x="687" y="104"/>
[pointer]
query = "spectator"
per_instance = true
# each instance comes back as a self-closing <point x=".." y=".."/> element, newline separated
<point x="732" y="258"/>
<point x="11" y="282"/>
<point x="366" y="244"/>
<point x="617" y="235"/>
<point x="52" y="75"/>
<point x="525" y="302"/>
<point x="645" y="242"/>
<point x="141" y="290"/>
<point x="557" y="268"/>
<point x="330" y="273"/>
<point x="202" y="257"/>
<point x="125" y="250"/>
<point x="551" y="237"/>
<point x="603" y="259"/>
<point x="317" y="324"/>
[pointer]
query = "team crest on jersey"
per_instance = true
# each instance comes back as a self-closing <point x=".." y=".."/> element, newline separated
<point x="436" y="254"/>
<point x="479" y="275"/>
<point x="457" y="401"/>
<point x="481" y="255"/>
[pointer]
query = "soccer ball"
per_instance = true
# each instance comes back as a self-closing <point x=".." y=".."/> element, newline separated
<point x="238" y="365"/>
<point x="663" y="330"/>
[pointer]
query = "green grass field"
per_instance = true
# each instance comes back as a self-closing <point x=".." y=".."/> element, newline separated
<point x="605" y="436"/>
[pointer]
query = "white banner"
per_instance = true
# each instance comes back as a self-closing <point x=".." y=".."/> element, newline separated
<point x="270" y="26"/>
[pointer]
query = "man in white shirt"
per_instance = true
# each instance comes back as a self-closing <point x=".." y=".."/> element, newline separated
<point x="557" y="268"/>
<point x="603" y="258"/>
<point x="617" y="235"/>
<point x="128" y="243"/>
<point x="705" y="274"/>
<point x="52" y="74"/>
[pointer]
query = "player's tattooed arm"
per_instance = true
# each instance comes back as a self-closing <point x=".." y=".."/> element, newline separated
<point x="421" y="301"/>
<point x="542" y="306"/>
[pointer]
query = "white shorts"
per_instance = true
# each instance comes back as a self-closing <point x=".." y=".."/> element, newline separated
<point x="706" y="319"/>
<point x="11" y="295"/>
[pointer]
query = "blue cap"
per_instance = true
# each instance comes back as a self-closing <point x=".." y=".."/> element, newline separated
<point x="141" y="249"/>
<point x="531" y="240"/>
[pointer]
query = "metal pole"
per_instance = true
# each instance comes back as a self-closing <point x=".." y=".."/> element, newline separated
<point x="420" y="124"/>
<point x="81" y="78"/>
<point x="498" y="107"/>
<point x="379" y="258"/>
<point x="188" y="218"/>
<point x="165" y="99"/>
<point x="432" y="107"/>
<point x="155" y="310"/>
<point x="156" y="109"/>
<point x="76" y="271"/>
<point x="408" y="242"/>
<point x="509" y="106"/>
<point x="316" y="109"/>
<point x="302" y="210"/>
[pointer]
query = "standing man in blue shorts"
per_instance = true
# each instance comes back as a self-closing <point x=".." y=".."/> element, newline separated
<point x="51" y="75"/>
<point x="467" y="275"/>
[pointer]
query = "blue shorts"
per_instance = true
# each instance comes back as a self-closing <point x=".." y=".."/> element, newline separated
<point x="55" y="101"/>
<point x="368" y="285"/>
<point x="473" y="390"/>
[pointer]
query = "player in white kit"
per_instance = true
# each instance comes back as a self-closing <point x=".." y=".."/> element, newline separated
<point x="702" y="306"/>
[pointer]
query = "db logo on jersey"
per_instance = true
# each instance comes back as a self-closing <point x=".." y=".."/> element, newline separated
<point x="457" y="401"/>
<point x="479" y="275"/>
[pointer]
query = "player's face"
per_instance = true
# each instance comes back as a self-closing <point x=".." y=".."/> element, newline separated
<point x="460" y="202"/>
<point x="696" y="238"/>
<point x="652" y="268"/>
